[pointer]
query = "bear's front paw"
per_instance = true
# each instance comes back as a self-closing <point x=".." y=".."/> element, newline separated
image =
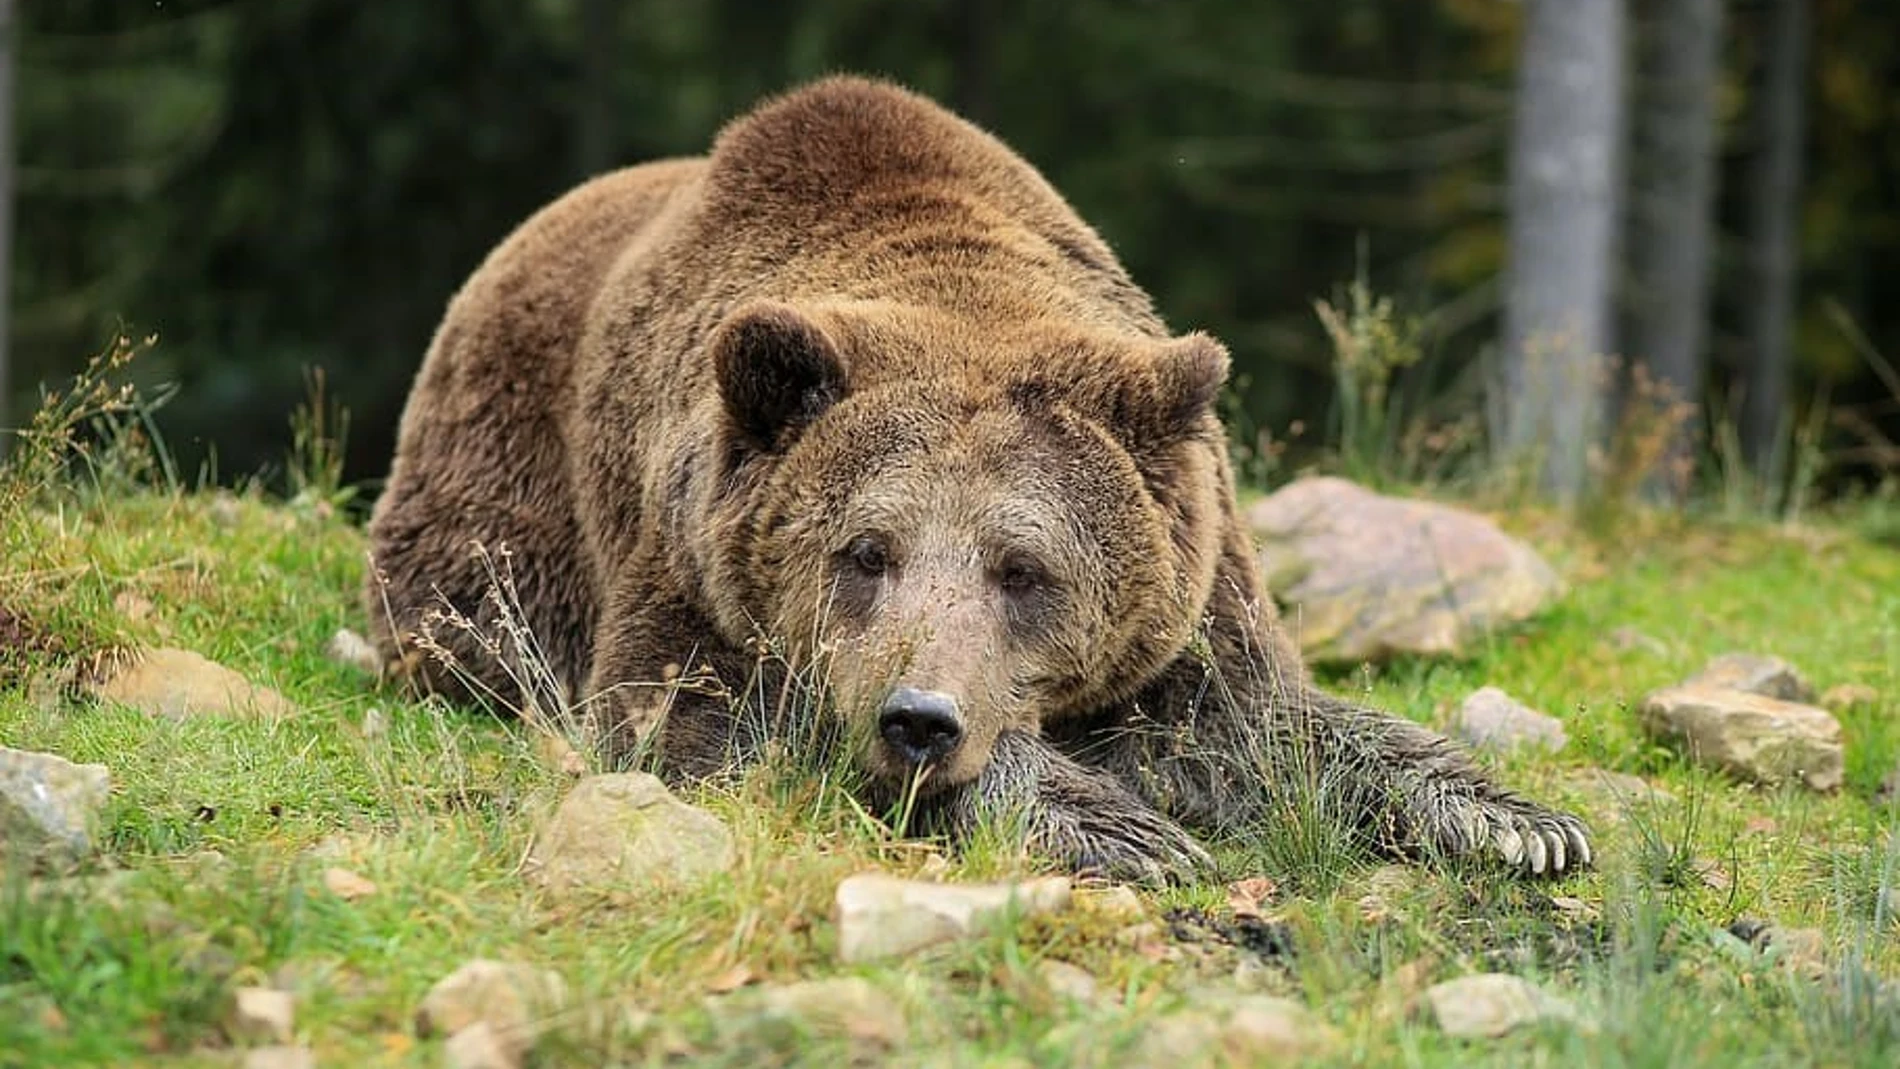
<point x="1081" y="817"/>
<point x="1523" y="834"/>
<point x="1129" y="847"/>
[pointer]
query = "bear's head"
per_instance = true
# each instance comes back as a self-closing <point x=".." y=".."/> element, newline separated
<point x="971" y="531"/>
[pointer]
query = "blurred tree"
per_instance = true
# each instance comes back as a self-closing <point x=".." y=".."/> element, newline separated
<point x="1563" y="210"/>
<point x="1671" y="201"/>
<point x="1774" y="227"/>
<point x="275" y="184"/>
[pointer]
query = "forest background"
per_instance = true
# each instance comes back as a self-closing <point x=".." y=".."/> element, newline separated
<point x="1505" y="208"/>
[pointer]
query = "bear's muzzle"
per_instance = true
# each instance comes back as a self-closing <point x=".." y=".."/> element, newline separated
<point x="919" y="727"/>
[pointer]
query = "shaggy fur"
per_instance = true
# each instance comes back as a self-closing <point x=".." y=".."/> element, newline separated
<point x="859" y="388"/>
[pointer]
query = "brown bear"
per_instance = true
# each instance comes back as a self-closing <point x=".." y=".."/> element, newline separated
<point x="861" y="390"/>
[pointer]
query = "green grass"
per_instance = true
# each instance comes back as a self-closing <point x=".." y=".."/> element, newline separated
<point x="210" y="874"/>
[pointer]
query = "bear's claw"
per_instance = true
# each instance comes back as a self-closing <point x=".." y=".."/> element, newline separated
<point x="1526" y="836"/>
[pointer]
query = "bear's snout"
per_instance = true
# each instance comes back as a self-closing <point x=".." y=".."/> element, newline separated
<point x="919" y="726"/>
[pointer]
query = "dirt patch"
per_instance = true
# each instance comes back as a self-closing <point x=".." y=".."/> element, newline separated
<point x="1266" y="939"/>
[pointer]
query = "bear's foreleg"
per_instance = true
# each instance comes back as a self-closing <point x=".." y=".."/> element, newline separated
<point x="1233" y="734"/>
<point x="1073" y="814"/>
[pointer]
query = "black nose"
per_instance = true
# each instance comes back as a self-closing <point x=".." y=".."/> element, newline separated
<point x="920" y="725"/>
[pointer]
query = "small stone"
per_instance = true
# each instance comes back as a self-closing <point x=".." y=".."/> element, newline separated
<point x="347" y="885"/>
<point x="280" y="1057"/>
<point x="479" y="1046"/>
<point x="1846" y="696"/>
<point x="1262" y="1027"/>
<point x="512" y="1000"/>
<point x="1801" y="951"/>
<point x="625" y="830"/>
<point x="179" y="683"/>
<point x="48" y="806"/>
<point x="848" y="1007"/>
<point x="1760" y="739"/>
<point x="1488" y="1005"/>
<point x="1068" y="981"/>
<point x="1754" y="673"/>
<point x="263" y="1015"/>
<point x="879" y="915"/>
<point x="1232" y="1030"/>
<point x="352" y="650"/>
<point x="1118" y="901"/>
<point x="1492" y="719"/>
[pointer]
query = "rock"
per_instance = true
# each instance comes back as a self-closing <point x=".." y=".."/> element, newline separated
<point x="280" y="1057"/>
<point x="263" y="1015"/>
<point x="881" y="916"/>
<point x="48" y="806"/>
<point x="1760" y="739"/>
<point x="1801" y="951"/>
<point x="352" y="650"/>
<point x="1491" y="718"/>
<point x="626" y="829"/>
<point x="179" y="683"/>
<point x="1118" y="901"/>
<point x="1364" y="576"/>
<point x="1848" y="696"/>
<point x="479" y="1046"/>
<point x="1067" y="981"/>
<point x="347" y="885"/>
<point x="848" y="1007"/>
<point x="1754" y="673"/>
<point x="1488" y="1005"/>
<point x="1232" y="1030"/>
<point x="510" y="1000"/>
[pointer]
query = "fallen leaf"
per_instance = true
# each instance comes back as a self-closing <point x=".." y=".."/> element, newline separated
<point x="732" y="980"/>
<point x="1713" y="875"/>
<point x="1248" y="897"/>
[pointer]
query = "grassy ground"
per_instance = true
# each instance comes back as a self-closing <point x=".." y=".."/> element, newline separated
<point x="218" y="833"/>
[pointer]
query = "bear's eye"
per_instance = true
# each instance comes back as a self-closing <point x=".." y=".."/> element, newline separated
<point x="1019" y="576"/>
<point x="868" y="554"/>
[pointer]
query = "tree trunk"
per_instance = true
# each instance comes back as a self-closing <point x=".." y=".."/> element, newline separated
<point x="8" y="28"/>
<point x="1774" y="231"/>
<point x="1671" y="207"/>
<point x="1562" y="234"/>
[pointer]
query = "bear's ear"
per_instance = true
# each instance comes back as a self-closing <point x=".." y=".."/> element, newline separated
<point x="1169" y="401"/>
<point x="778" y="371"/>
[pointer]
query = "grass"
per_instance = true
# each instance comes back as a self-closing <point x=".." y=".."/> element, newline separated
<point x="218" y="833"/>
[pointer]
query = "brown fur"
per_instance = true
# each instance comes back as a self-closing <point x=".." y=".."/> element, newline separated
<point x="861" y="384"/>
